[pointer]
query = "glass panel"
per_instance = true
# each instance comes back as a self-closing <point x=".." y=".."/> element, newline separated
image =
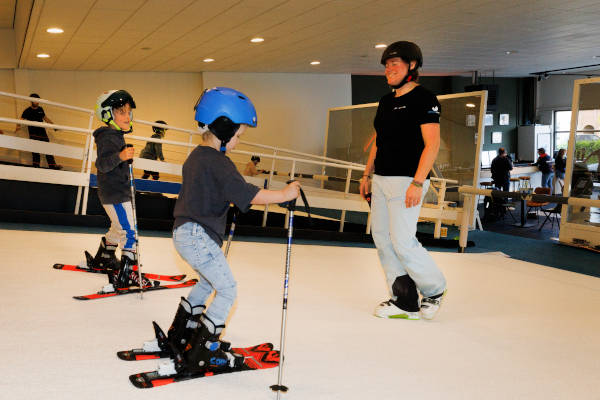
<point x="350" y="134"/>
<point x="586" y="168"/>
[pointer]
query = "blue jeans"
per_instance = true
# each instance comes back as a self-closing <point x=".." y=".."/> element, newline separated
<point x="547" y="180"/>
<point x="394" y="227"/>
<point x="202" y="253"/>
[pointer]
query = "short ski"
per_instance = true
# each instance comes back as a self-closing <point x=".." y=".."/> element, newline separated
<point x="119" y="292"/>
<point x="158" y="277"/>
<point x="261" y="356"/>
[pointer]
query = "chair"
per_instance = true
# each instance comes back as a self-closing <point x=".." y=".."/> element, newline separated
<point x="514" y="183"/>
<point x="525" y="181"/>
<point x="552" y="215"/>
<point x="537" y="205"/>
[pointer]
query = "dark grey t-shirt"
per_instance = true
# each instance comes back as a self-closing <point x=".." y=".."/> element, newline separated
<point x="210" y="183"/>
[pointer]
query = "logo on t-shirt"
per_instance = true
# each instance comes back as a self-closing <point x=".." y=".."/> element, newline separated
<point x="399" y="107"/>
<point x="434" y="110"/>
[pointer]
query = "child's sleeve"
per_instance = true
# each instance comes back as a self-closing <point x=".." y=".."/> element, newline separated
<point x="108" y="154"/>
<point x="159" y="151"/>
<point x="237" y="190"/>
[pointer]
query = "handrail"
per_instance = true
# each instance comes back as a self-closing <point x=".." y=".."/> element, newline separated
<point x="42" y="101"/>
<point x="46" y="125"/>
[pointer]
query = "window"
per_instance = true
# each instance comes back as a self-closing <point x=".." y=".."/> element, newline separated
<point x="562" y="128"/>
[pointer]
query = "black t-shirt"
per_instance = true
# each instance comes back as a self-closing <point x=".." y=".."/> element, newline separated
<point x="560" y="164"/>
<point x="37" y="115"/>
<point x="398" y="125"/>
<point x="210" y="183"/>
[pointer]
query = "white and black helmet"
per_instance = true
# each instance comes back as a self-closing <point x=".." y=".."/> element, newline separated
<point x="109" y="100"/>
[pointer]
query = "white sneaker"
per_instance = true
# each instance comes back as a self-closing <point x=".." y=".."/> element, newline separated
<point x="430" y="307"/>
<point x="387" y="309"/>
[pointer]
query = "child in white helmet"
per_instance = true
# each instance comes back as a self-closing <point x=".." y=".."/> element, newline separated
<point x="114" y="108"/>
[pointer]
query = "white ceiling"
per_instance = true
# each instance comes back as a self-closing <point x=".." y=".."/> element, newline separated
<point x="456" y="36"/>
<point x="7" y="13"/>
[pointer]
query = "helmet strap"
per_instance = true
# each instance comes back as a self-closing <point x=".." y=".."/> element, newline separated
<point x="224" y="146"/>
<point x="407" y="78"/>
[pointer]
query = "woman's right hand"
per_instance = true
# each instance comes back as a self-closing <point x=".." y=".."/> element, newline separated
<point x="365" y="186"/>
<point x="291" y="191"/>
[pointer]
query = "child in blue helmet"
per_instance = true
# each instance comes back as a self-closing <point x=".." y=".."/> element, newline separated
<point x="210" y="183"/>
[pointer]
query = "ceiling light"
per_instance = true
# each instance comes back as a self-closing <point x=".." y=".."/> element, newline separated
<point x="380" y="46"/>
<point x="43" y="55"/>
<point x="54" y="30"/>
<point x="596" y="57"/>
<point x="257" y="40"/>
<point x="470" y="105"/>
<point x="315" y="62"/>
<point x="208" y="60"/>
<point x="509" y="52"/>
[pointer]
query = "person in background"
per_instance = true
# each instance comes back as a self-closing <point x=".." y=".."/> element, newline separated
<point x="251" y="167"/>
<point x="153" y="150"/>
<point x="501" y="167"/>
<point x="560" y="165"/>
<point x="36" y="113"/>
<point x="544" y="163"/>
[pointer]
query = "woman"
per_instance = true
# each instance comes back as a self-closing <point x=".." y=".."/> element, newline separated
<point x="560" y="165"/>
<point x="406" y="146"/>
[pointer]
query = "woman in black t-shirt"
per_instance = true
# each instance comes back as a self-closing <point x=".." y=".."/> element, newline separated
<point x="407" y="143"/>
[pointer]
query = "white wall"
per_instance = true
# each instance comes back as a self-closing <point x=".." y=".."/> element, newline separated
<point x="158" y="95"/>
<point x="291" y="108"/>
<point x="8" y="58"/>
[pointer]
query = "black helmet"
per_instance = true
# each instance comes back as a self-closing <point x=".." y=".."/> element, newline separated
<point x="407" y="51"/>
<point x="255" y="158"/>
<point x="34" y="95"/>
<point x="156" y="129"/>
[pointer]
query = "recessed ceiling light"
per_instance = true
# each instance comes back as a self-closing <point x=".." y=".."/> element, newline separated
<point x="43" y="55"/>
<point x="315" y="62"/>
<point x="54" y="30"/>
<point x="509" y="52"/>
<point x="208" y="60"/>
<point x="380" y="46"/>
<point x="257" y="40"/>
<point x="470" y="105"/>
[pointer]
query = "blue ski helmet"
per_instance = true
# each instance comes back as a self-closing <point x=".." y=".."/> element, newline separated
<point x="222" y="110"/>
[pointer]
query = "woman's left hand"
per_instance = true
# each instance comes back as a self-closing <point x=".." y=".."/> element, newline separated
<point x="413" y="196"/>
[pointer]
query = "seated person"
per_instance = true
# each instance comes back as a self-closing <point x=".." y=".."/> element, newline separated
<point x="250" y="169"/>
<point x="501" y="167"/>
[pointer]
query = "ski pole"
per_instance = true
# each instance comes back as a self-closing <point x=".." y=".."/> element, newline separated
<point x="291" y="206"/>
<point x="135" y="228"/>
<point x="236" y="211"/>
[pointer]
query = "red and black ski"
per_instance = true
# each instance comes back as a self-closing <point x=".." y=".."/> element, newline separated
<point x="120" y="292"/>
<point x="261" y="356"/>
<point x="159" y="277"/>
